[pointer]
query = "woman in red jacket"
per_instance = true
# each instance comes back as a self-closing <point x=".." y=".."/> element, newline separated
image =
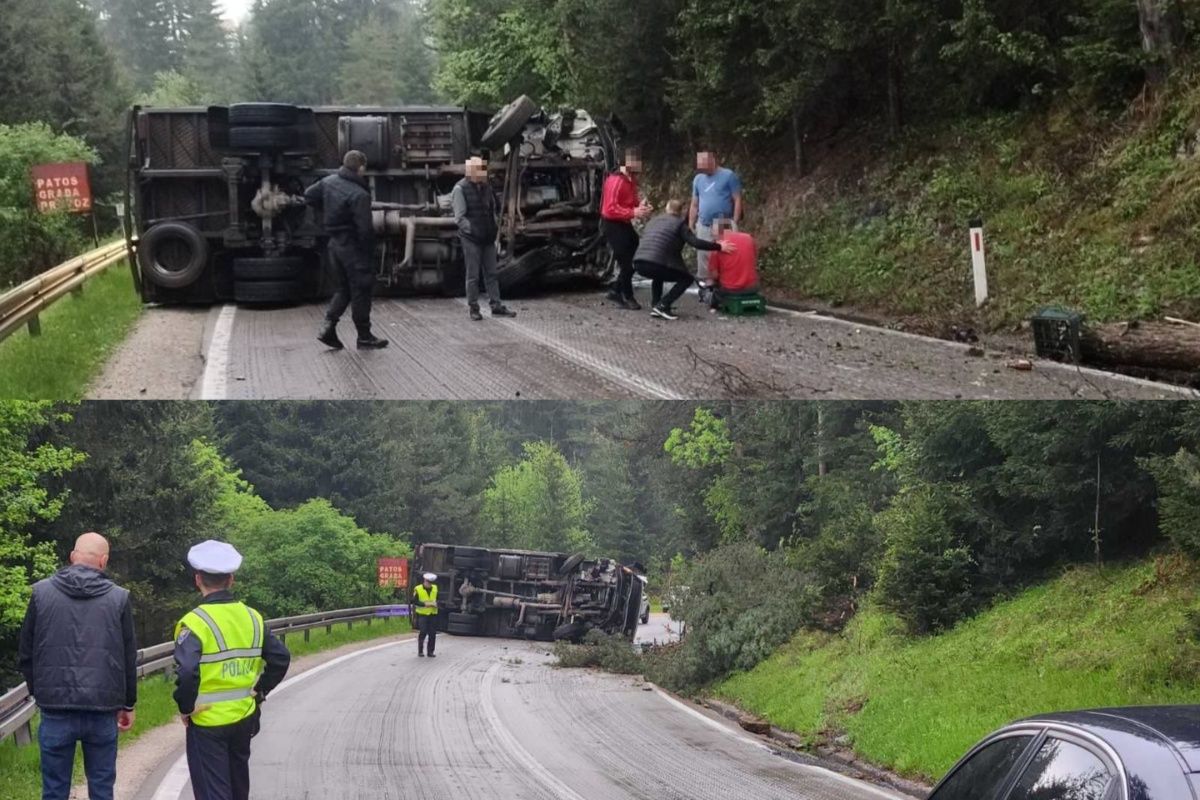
<point x="620" y="206"/>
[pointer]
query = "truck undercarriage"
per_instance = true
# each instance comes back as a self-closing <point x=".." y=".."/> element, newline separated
<point x="530" y="595"/>
<point x="215" y="208"/>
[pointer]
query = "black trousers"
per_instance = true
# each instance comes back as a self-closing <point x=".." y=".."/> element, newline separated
<point x="356" y="280"/>
<point x="427" y="625"/>
<point x="657" y="272"/>
<point x="623" y="241"/>
<point x="219" y="760"/>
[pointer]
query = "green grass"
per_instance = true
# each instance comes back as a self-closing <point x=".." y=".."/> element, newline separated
<point x="20" y="770"/>
<point x="1092" y="211"/>
<point x="78" y="334"/>
<point x="1088" y="639"/>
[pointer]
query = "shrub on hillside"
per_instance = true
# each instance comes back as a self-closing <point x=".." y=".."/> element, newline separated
<point x="928" y="574"/>
<point x="31" y="241"/>
<point x="742" y="602"/>
<point x="1178" y="479"/>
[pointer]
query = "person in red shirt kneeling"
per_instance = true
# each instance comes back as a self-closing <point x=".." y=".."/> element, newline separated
<point x="735" y="272"/>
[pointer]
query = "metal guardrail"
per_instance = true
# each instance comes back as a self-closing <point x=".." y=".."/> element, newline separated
<point x="22" y="304"/>
<point x="17" y="707"/>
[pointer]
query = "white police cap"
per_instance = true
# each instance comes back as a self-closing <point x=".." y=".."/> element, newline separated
<point x="218" y="558"/>
<point x="430" y="576"/>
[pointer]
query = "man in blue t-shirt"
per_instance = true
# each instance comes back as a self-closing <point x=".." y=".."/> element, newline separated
<point x="716" y="197"/>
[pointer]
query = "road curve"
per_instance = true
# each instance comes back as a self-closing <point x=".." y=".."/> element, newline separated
<point x="569" y="345"/>
<point x="492" y="719"/>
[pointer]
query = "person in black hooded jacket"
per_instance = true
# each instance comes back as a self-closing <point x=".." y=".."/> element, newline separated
<point x="343" y="202"/>
<point x="78" y="654"/>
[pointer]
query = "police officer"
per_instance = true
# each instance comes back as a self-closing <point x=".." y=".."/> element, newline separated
<point x="226" y="662"/>
<point x="425" y="603"/>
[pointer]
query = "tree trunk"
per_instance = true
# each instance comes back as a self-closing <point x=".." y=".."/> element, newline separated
<point x="797" y="142"/>
<point x="1149" y="345"/>
<point x="1162" y="29"/>
<point x="895" y="82"/>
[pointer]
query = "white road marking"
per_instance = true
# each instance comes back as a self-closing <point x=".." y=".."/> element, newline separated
<point x="176" y="779"/>
<point x="627" y="379"/>
<point x="959" y="347"/>
<point x="728" y="731"/>
<point x="543" y="775"/>
<point x="215" y="385"/>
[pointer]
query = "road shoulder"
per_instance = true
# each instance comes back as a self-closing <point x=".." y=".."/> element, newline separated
<point x="162" y="358"/>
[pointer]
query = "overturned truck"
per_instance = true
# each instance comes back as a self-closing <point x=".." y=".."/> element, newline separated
<point x="215" y="208"/>
<point x="530" y="595"/>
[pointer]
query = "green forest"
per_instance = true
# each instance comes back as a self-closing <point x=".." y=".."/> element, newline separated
<point x="868" y="131"/>
<point x="790" y="515"/>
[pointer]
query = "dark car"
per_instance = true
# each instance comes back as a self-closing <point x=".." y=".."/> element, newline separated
<point x="1148" y="753"/>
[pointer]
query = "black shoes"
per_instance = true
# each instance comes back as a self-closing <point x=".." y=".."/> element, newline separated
<point x="475" y="315"/>
<point x="431" y="655"/>
<point x="329" y="337"/>
<point x="420" y="654"/>
<point x="502" y="311"/>
<point x="663" y="312"/>
<point x="371" y="342"/>
<point x="632" y="305"/>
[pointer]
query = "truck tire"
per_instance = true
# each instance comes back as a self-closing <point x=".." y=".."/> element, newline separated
<point x="523" y="270"/>
<point x="262" y="138"/>
<point x="268" y="292"/>
<point x="284" y="268"/>
<point x="454" y="279"/>
<point x="570" y="632"/>
<point x="457" y="618"/>
<point x="252" y="115"/>
<point x="508" y="123"/>
<point x="472" y="562"/>
<point x="172" y="255"/>
<point x="570" y="564"/>
<point x="464" y="624"/>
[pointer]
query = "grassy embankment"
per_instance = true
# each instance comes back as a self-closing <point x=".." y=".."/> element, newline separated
<point x="1097" y="212"/>
<point x="20" y="773"/>
<point x="1124" y="636"/>
<point x="78" y="335"/>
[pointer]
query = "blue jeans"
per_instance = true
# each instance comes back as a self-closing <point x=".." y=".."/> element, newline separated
<point x="57" y="735"/>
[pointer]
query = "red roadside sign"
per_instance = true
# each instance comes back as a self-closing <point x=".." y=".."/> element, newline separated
<point x="393" y="573"/>
<point x="62" y="187"/>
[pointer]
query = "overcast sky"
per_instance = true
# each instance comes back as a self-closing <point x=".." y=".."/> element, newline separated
<point x="236" y="10"/>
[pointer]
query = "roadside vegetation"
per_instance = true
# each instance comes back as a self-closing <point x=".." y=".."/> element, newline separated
<point x="1125" y="635"/>
<point x="20" y="767"/>
<point x="79" y="332"/>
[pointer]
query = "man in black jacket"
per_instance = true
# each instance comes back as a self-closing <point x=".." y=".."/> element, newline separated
<point x="660" y="255"/>
<point x="79" y="658"/>
<point x="344" y="203"/>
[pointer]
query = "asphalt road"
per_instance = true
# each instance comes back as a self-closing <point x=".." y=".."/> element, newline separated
<point x="492" y="719"/>
<point x="568" y="346"/>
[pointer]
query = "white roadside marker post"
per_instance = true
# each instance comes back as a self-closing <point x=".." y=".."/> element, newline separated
<point x="979" y="262"/>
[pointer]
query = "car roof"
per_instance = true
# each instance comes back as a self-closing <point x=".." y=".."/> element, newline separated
<point x="1178" y="726"/>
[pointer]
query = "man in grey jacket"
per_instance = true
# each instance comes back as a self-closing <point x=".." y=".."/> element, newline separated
<point x="78" y="654"/>
<point x="474" y="206"/>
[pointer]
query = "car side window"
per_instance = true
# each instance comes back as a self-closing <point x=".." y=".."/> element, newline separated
<point x="1062" y="770"/>
<point x="981" y="776"/>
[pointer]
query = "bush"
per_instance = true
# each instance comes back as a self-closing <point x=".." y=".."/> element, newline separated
<point x="1178" y="479"/>
<point x="742" y="603"/>
<point x="602" y="651"/>
<point x="31" y="242"/>
<point x="927" y="574"/>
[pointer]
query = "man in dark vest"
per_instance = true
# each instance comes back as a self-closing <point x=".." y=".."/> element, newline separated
<point x="79" y="658"/>
<point x="474" y="206"/>
<point x="343" y="203"/>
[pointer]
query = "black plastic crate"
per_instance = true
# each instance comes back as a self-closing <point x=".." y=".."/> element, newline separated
<point x="1056" y="334"/>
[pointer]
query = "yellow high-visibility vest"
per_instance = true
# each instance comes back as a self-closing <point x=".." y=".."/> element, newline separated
<point x="426" y="596"/>
<point x="231" y="646"/>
